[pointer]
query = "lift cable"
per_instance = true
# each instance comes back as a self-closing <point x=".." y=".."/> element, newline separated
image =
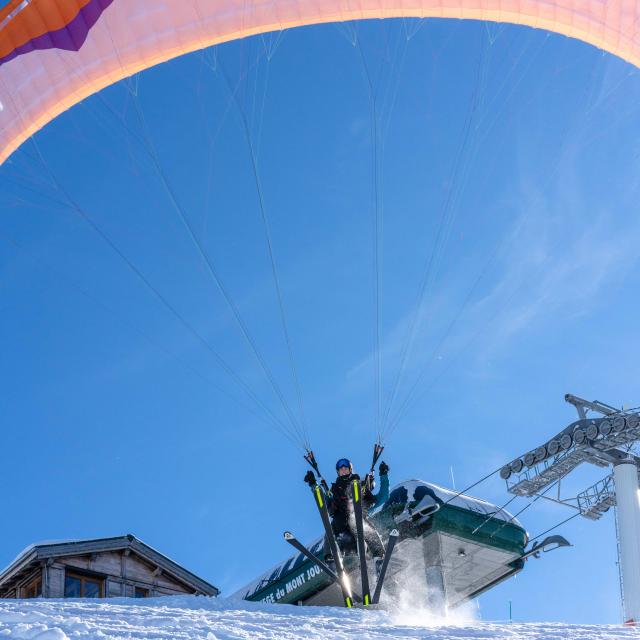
<point x="555" y="526"/>
<point x="471" y="486"/>
<point x="515" y="515"/>
<point x="494" y="514"/>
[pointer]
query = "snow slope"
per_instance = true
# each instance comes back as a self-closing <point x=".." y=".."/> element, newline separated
<point x="191" y="618"/>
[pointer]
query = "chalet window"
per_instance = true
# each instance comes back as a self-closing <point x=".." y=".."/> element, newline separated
<point x="33" y="589"/>
<point x="141" y="592"/>
<point x="79" y="586"/>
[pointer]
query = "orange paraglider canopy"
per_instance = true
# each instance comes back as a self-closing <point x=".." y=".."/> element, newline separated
<point x="55" y="53"/>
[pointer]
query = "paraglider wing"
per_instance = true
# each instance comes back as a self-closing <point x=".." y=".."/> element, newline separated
<point x="54" y="53"/>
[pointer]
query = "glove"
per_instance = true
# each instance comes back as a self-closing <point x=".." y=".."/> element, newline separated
<point x="384" y="468"/>
<point x="310" y="478"/>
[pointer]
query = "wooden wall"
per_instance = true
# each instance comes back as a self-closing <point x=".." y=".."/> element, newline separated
<point x="123" y="571"/>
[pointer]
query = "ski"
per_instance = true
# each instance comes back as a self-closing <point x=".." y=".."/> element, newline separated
<point x="356" y="492"/>
<point x="391" y="543"/>
<point x="343" y="580"/>
<point x="296" y="544"/>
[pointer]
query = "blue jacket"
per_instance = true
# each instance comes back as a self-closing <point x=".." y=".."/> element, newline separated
<point x="383" y="494"/>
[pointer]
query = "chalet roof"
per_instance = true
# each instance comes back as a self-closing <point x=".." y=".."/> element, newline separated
<point x="35" y="554"/>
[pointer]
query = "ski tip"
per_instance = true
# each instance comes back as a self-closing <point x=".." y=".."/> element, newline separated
<point x="394" y="533"/>
<point x="289" y="536"/>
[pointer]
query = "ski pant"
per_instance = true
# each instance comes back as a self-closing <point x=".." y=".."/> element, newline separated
<point x="346" y="537"/>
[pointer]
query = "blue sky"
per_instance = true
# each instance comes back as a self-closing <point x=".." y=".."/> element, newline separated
<point x="507" y="161"/>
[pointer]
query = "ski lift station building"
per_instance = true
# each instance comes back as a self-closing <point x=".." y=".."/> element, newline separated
<point x="103" y="568"/>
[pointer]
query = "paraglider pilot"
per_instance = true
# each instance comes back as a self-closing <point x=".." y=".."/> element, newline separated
<point x="341" y="509"/>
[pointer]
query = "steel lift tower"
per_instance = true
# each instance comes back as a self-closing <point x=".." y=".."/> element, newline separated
<point x="605" y="441"/>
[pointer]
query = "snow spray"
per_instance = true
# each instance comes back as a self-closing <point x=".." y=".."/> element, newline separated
<point x="413" y="602"/>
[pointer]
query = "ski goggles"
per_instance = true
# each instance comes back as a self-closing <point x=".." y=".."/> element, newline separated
<point x="343" y="462"/>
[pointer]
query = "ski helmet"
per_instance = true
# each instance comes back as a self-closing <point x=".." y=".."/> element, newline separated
<point x="344" y="462"/>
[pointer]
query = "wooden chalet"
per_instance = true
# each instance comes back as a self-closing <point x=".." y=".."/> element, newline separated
<point x="102" y="568"/>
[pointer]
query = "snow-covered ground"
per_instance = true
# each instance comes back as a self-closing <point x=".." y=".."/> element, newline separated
<point x="193" y="618"/>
